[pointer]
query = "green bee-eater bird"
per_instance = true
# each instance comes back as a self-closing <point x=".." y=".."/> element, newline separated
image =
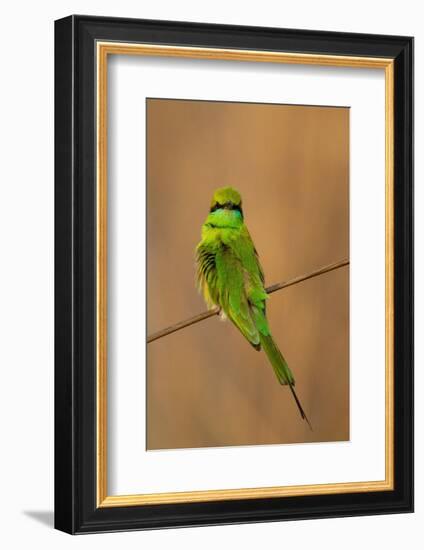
<point x="230" y="276"/>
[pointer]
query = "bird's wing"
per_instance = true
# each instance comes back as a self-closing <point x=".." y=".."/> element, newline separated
<point x="232" y="282"/>
<point x="206" y="274"/>
<point x="229" y="275"/>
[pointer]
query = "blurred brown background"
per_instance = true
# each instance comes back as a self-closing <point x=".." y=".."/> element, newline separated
<point x="206" y="386"/>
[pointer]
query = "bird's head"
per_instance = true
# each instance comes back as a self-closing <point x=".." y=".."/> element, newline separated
<point x="226" y="198"/>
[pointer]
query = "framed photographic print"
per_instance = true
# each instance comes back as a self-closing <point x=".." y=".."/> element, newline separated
<point x="234" y="274"/>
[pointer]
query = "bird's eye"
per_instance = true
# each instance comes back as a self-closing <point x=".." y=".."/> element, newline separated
<point x="216" y="206"/>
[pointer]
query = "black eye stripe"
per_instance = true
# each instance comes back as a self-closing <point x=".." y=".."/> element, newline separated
<point x="229" y="205"/>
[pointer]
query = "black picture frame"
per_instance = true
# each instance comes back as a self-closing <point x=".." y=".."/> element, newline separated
<point x="76" y="510"/>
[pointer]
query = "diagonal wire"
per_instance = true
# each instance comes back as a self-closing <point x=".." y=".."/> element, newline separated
<point x="273" y="288"/>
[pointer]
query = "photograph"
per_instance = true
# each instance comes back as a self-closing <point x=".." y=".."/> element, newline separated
<point x="243" y="198"/>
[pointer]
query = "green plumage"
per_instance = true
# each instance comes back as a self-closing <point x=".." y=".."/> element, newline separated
<point x="230" y="276"/>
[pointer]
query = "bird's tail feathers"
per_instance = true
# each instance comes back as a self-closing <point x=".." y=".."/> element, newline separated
<point x="279" y="364"/>
<point x="299" y="406"/>
<point x="281" y="369"/>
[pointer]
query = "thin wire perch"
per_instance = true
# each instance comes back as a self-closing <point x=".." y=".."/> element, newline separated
<point x="270" y="290"/>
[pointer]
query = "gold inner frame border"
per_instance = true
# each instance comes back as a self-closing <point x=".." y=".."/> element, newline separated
<point x="103" y="50"/>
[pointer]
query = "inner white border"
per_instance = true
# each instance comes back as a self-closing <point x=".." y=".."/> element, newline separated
<point x="131" y="469"/>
